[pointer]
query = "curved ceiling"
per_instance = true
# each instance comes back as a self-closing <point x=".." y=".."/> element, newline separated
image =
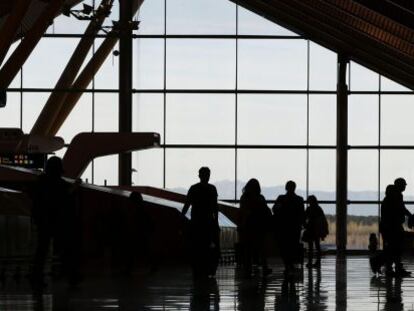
<point x="35" y="9"/>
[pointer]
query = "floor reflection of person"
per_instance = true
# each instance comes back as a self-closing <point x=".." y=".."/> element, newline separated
<point x="315" y="298"/>
<point x="251" y="292"/>
<point x="391" y="289"/>
<point x="393" y="297"/>
<point x="205" y="296"/>
<point x="288" y="299"/>
<point x="204" y="227"/>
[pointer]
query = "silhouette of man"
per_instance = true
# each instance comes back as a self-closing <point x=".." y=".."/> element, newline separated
<point x="393" y="213"/>
<point x="53" y="217"/>
<point x="289" y="213"/>
<point x="202" y="197"/>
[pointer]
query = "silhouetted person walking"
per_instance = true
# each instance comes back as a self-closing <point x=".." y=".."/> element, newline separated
<point x="55" y="219"/>
<point x="205" y="248"/>
<point x="289" y="213"/>
<point x="255" y="217"/>
<point x="393" y="213"/>
<point x="316" y="229"/>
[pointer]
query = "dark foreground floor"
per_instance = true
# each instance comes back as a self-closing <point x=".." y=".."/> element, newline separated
<point x="341" y="284"/>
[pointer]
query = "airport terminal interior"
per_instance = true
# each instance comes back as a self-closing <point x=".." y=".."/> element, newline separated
<point x="135" y="96"/>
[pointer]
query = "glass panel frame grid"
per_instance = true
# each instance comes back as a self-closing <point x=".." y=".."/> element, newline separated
<point x="238" y="145"/>
<point x="379" y="88"/>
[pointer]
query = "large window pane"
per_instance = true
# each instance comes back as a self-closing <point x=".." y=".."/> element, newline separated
<point x="362" y="221"/>
<point x="149" y="63"/>
<point x="272" y="119"/>
<point x="64" y="24"/>
<point x="397" y="127"/>
<point x="47" y="62"/>
<point x="107" y="76"/>
<point x="330" y="213"/>
<point x="182" y="167"/>
<point x="67" y="24"/>
<point x="322" y="169"/>
<point x="322" y="68"/>
<point x="151" y="16"/>
<point x="322" y="119"/>
<point x="398" y="163"/>
<point x="106" y="112"/>
<point x="148" y="167"/>
<point x="200" y="119"/>
<point x="389" y="85"/>
<point x="106" y="170"/>
<point x="148" y="113"/>
<point x="32" y="106"/>
<point x="363" y="175"/>
<point x="363" y="79"/>
<point x="253" y="24"/>
<point x="273" y="168"/>
<point x="79" y="120"/>
<point x="201" y="17"/>
<point x="272" y="64"/>
<point x="201" y="64"/>
<point x="363" y="120"/>
<point x="10" y="115"/>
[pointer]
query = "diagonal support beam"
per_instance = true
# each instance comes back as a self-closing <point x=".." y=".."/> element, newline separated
<point x="82" y="82"/>
<point x="11" y="25"/>
<point x="10" y="69"/>
<point x="86" y="76"/>
<point x="57" y="98"/>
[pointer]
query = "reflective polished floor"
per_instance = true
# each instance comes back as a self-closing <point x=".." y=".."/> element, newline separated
<point x="341" y="284"/>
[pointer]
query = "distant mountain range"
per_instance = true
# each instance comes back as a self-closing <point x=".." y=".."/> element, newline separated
<point x="225" y="189"/>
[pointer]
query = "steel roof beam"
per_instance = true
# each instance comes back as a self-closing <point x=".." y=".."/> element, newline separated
<point x="56" y="99"/>
<point x="10" y="69"/>
<point x="9" y="29"/>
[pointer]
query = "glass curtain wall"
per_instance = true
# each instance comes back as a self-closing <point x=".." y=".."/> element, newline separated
<point x="230" y="90"/>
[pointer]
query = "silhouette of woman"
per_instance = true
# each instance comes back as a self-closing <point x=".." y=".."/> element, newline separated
<point x="255" y="217"/>
<point x="316" y="229"/>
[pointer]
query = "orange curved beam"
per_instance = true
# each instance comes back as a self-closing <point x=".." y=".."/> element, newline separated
<point x="87" y="146"/>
